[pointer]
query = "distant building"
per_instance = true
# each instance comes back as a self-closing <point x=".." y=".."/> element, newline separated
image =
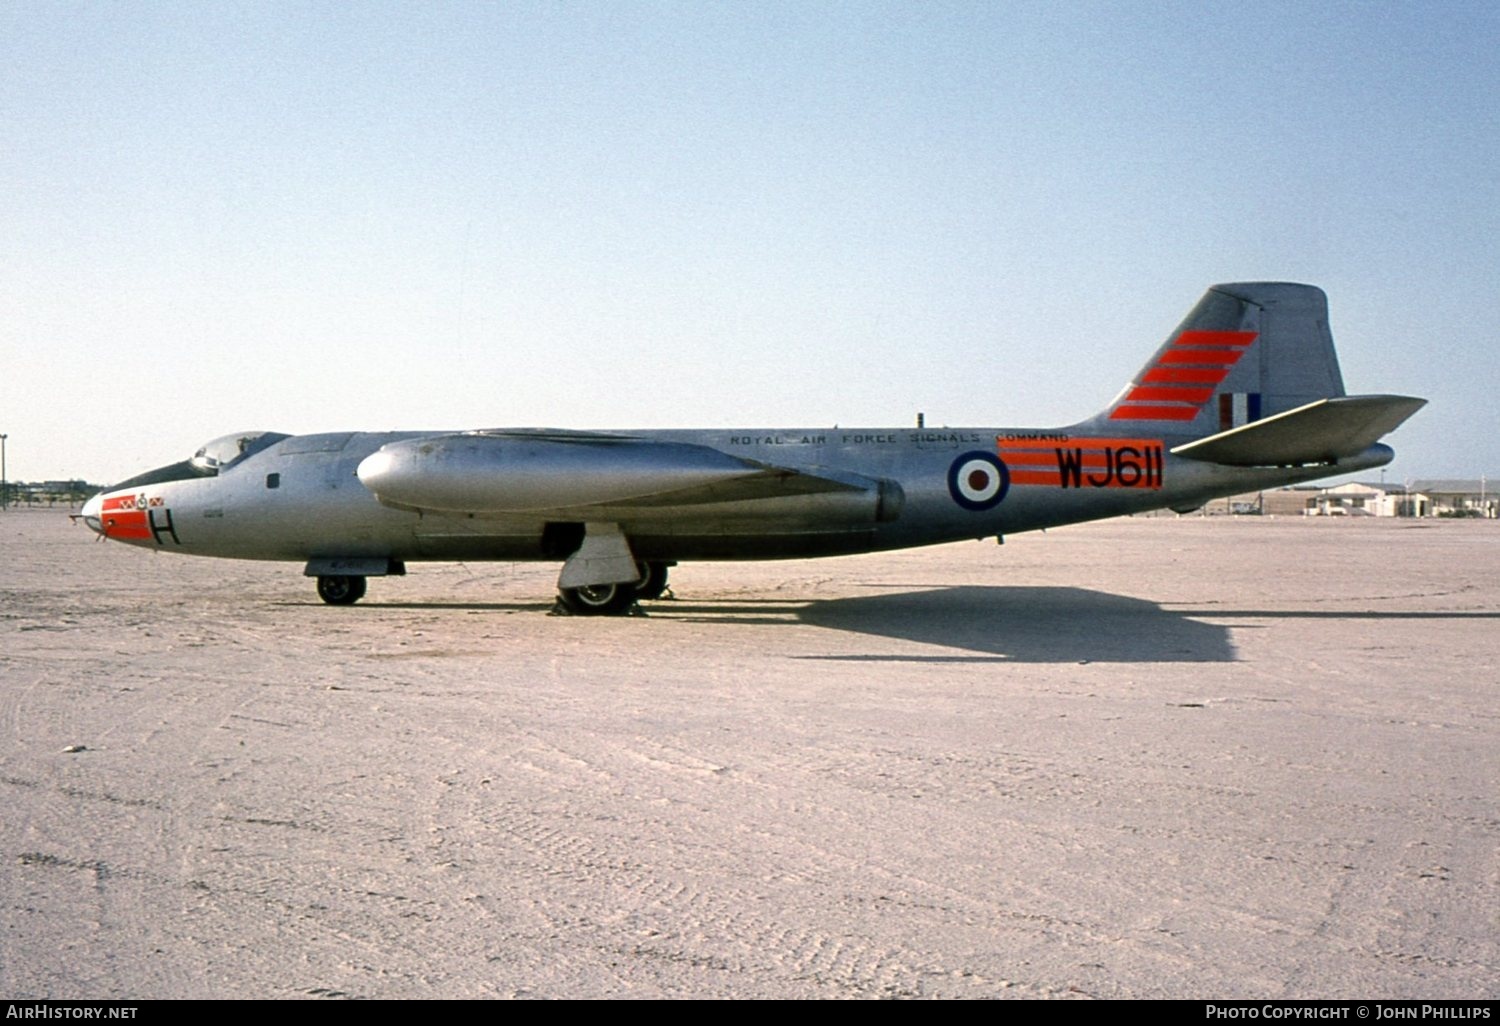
<point x="1366" y="499"/>
<point x="1430" y="498"/>
<point x="49" y="493"/>
<point x="1352" y="499"/>
<point x="1290" y="502"/>
<point x="1277" y="502"/>
<point x="1453" y="497"/>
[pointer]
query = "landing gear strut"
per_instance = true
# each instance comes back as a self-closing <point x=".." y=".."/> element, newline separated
<point x="653" y="582"/>
<point x="341" y="589"/>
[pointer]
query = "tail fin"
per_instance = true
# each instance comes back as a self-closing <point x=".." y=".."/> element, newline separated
<point x="1245" y="352"/>
<point x="1252" y="375"/>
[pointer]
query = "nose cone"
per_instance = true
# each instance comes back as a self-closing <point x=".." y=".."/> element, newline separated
<point x="375" y="469"/>
<point x="91" y="513"/>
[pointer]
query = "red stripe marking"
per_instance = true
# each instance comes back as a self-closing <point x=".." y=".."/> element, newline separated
<point x="1114" y="443"/>
<point x="1035" y="477"/>
<point x="1042" y="462"/>
<point x="1180" y="393"/>
<point x="1154" y="413"/>
<point x="126" y="524"/>
<point x="1037" y="458"/>
<point x="1184" y="376"/>
<point x="1215" y="338"/>
<point x="1095" y="458"/>
<point x="117" y="502"/>
<point x="1214" y="357"/>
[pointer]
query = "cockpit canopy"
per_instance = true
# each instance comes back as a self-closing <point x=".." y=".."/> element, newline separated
<point x="212" y="459"/>
<point x="219" y="455"/>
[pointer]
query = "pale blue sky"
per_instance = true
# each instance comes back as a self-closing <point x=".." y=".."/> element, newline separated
<point x="304" y="217"/>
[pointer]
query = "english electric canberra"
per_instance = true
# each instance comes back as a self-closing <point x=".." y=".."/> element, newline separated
<point x="1245" y="394"/>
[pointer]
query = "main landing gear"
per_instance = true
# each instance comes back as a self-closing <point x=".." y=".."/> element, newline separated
<point x="615" y="599"/>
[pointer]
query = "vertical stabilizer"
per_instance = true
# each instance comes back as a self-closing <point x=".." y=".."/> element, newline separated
<point x="1246" y="352"/>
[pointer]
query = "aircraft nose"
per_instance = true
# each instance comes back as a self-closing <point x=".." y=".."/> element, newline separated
<point x="90" y="513"/>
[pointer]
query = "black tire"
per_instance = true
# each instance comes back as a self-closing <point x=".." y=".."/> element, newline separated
<point x="598" y="599"/>
<point x="340" y="589"/>
<point x="653" y="582"/>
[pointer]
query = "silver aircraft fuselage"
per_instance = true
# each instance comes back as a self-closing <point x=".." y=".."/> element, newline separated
<point x="1245" y="395"/>
<point x="301" y="498"/>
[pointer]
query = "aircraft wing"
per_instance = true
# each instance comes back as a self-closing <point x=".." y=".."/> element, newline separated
<point x="1320" y="432"/>
<point x="504" y="472"/>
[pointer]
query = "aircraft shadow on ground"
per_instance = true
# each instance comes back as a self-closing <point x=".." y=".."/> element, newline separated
<point x="1024" y="625"/>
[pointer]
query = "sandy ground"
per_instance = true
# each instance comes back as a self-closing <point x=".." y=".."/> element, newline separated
<point x="1182" y="758"/>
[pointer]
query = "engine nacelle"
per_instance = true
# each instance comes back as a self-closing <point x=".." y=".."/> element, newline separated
<point x="478" y="473"/>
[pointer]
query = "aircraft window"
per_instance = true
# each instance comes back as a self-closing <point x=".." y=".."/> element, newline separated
<point x="222" y="453"/>
<point x="184" y="471"/>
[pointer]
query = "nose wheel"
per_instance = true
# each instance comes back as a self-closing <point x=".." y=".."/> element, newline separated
<point x="341" y="589"/>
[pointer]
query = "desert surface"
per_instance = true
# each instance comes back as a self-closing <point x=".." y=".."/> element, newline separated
<point x="1199" y="757"/>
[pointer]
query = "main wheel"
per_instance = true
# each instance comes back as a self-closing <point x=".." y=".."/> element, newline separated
<point x="653" y="582"/>
<point x="341" y="590"/>
<point x="598" y="599"/>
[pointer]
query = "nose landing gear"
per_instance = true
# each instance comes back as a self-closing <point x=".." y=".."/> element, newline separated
<point x="341" y="589"/>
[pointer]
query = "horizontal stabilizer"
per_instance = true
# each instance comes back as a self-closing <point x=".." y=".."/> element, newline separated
<point x="1320" y="432"/>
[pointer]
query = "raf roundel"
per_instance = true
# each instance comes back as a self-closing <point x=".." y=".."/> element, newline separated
<point x="978" y="480"/>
